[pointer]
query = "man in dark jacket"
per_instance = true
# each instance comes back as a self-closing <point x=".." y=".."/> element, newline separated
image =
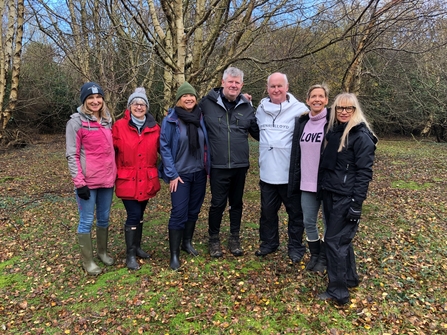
<point x="229" y="118"/>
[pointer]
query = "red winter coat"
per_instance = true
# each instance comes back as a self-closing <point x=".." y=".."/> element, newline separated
<point x="136" y="158"/>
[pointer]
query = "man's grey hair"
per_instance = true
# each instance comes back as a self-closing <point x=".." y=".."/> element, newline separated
<point x="233" y="72"/>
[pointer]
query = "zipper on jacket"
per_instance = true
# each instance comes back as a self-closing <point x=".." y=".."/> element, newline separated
<point x="228" y="136"/>
<point x="346" y="174"/>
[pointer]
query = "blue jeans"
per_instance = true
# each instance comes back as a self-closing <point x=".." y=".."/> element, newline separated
<point x="101" y="198"/>
<point x="187" y="200"/>
<point x="135" y="210"/>
<point x="311" y="206"/>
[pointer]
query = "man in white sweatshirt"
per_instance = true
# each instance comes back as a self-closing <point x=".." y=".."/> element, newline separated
<point x="276" y="120"/>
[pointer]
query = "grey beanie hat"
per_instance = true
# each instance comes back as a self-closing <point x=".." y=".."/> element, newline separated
<point x="140" y="93"/>
<point x="89" y="89"/>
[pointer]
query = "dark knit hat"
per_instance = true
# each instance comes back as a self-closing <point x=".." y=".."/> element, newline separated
<point x="185" y="88"/>
<point x="89" y="89"/>
<point x="140" y="93"/>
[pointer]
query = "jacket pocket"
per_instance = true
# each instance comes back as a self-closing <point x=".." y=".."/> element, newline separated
<point x="125" y="183"/>
<point x="153" y="183"/>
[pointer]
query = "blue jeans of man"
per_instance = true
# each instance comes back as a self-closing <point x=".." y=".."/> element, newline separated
<point x="272" y="196"/>
<point x="101" y="199"/>
<point x="135" y="210"/>
<point x="226" y="184"/>
<point x="311" y="206"/>
<point x="187" y="200"/>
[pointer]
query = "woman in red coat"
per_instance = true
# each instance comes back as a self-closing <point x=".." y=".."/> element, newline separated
<point x="136" y="141"/>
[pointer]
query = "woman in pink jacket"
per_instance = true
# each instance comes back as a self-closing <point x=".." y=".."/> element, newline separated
<point x="91" y="161"/>
<point x="136" y="141"/>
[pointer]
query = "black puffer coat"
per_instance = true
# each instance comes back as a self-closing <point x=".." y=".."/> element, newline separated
<point x="349" y="171"/>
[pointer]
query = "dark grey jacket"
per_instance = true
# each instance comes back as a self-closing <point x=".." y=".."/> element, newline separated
<point x="228" y="130"/>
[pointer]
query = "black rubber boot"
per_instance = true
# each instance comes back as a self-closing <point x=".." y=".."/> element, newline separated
<point x="314" y="248"/>
<point x="320" y="267"/>
<point x="175" y="238"/>
<point x="140" y="252"/>
<point x="102" y="237"/>
<point x="130" y="233"/>
<point x="214" y="246"/>
<point x="188" y="232"/>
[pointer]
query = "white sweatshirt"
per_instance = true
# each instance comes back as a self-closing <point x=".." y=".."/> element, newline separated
<point x="276" y="124"/>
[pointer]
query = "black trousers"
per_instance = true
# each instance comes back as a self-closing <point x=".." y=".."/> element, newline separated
<point x="272" y="196"/>
<point x="341" y="266"/>
<point x="226" y="185"/>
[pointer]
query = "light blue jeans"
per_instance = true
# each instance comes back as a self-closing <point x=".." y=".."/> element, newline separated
<point x="101" y="198"/>
<point x="310" y="206"/>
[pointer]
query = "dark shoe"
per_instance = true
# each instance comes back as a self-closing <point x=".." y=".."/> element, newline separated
<point x="314" y="248"/>
<point x="130" y="234"/>
<point x="353" y="284"/>
<point x="320" y="267"/>
<point x="188" y="232"/>
<point x="263" y="252"/>
<point x="102" y="237"/>
<point x="175" y="238"/>
<point x="85" y="242"/>
<point x="234" y="244"/>
<point x="214" y="246"/>
<point x="140" y="252"/>
<point x="326" y="297"/>
<point x="295" y="257"/>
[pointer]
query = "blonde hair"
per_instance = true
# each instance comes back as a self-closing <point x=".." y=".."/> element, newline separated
<point x="103" y="112"/>
<point x="347" y="99"/>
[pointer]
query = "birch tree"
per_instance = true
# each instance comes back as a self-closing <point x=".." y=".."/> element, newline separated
<point x="11" y="42"/>
<point x="100" y="43"/>
<point x="196" y="40"/>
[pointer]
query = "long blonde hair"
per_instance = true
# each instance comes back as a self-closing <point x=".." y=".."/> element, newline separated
<point x="347" y="99"/>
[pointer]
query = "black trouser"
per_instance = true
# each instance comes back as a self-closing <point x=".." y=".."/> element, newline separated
<point x="226" y="184"/>
<point x="135" y="210"/>
<point x="272" y="196"/>
<point x="341" y="267"/>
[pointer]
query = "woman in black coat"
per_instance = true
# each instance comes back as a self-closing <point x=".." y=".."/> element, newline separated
<point x="346" y="170"/>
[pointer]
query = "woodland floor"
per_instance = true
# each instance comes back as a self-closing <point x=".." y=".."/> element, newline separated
<point x="401" y="253"/>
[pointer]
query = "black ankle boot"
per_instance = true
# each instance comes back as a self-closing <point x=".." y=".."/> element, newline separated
<point x="175" y="238"/>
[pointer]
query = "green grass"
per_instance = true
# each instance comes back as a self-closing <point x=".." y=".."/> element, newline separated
<point x="400" y="249"/>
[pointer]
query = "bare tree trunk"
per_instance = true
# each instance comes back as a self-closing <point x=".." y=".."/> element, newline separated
<point x="353" y="75"/>
<point x="14" y="36"/>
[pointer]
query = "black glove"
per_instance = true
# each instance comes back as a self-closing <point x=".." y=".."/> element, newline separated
<point x="83" y="192"/>
<point x="354" y="212"/>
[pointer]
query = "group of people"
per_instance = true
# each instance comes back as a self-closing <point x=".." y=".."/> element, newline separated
<point x="309" y="157"/>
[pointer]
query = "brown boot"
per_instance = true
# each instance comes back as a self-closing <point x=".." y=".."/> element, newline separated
<point x="214" y="246"/>
<point x="234" y="244"/>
